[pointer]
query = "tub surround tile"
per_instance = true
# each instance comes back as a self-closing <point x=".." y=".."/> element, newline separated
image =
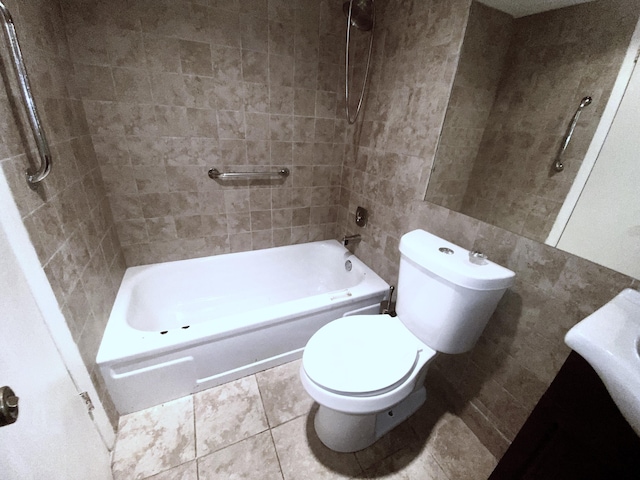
<point x="155" y="440"/>
<point x="248" y="82"/>
<point x="68" y="218"/>
<point x="228" y="414"/>
<point x="281" y="407"/>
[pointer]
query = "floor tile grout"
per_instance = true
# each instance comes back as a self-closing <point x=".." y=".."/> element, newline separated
<point x="297" y="450"/>
<point x="195" y="435"/>
<point x="273" y="440"/>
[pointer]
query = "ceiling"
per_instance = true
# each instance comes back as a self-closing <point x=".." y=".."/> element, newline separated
<point x="522" y="8"/>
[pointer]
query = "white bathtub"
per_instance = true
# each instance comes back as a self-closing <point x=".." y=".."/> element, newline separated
<point x="180" y="327"/>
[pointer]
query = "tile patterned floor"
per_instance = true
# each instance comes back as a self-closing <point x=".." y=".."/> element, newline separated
<point x="261" y="427"/>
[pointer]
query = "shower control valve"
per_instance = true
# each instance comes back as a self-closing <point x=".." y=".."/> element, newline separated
<point x="362" y="216"/>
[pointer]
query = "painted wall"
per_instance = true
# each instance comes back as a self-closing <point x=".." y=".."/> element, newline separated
<point x="174" y="88"/>
<point x="495" y="386"/>
<point x="68" y="218"/>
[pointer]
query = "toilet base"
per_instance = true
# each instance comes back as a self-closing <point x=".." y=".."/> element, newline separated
<point x="346" y="432"/>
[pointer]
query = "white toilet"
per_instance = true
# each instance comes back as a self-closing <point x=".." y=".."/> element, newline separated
<point x="367" y="371"/>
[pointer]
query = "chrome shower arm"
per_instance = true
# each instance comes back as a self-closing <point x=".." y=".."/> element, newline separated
<point x="33" y="178"/>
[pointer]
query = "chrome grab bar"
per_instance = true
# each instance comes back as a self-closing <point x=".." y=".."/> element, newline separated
<point x="33" y="178"/>
<point x="215" y="174"/>
<point x="557" y="164"/>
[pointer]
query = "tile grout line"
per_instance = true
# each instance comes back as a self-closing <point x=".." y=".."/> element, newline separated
<point x="275" y="449"/>
<point x="195" y="436"/>
<point x="270" y="429"/>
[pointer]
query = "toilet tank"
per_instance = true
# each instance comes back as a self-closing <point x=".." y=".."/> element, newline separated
<point x="445" y="298"/>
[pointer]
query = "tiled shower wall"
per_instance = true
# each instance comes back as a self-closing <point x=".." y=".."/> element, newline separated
<point x="68" y="218"/>
<point x="414" y="62"/>
<point x="172" y="88"/>
<point x="495" y="386"/>
<point x="482" y="59"/>
<point x="573" y="52"/>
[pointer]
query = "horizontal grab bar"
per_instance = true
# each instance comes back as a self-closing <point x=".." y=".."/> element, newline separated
<point x="216" y="174"/>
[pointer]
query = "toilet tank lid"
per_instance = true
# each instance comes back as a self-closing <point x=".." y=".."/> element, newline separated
<point x="425" y="250"/>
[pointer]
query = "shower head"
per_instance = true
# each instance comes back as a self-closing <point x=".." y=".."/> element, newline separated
<point x="361" y="13"/>
<point x="585" y="101"/>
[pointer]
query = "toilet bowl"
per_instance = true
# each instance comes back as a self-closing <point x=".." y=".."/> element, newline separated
<point x="367" y="372"/>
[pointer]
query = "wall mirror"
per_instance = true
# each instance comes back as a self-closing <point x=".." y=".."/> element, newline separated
<point x="519" y="86"/>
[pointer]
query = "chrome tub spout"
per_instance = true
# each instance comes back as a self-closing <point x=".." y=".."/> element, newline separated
<point x="351" y="238"/>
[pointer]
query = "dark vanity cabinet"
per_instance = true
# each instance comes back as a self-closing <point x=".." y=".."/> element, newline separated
<point x="575" y="432"/>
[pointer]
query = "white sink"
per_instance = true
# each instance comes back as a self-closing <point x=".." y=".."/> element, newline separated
<point x="609" y="339"/>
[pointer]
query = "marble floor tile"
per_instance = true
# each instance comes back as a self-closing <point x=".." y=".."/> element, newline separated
<point x="186" y="471"/>
<point x="398" y="438"/>
<point x="458" y="451"/>
<point x="409" y="464"/>
<point x="227" y="414"/>
<point x="154" y="440"/>
<point x="252" y="458"/>
<point x="224" y="433"/>
<point x="282" y="392"/>
<point x="303" y="456"/>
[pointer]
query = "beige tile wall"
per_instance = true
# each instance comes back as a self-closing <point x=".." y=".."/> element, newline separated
<point x="571" y="52"/>
<point x="414" y="61"/>
<point x="172" y="88"/>
<point x="482" y="59"/>
<point x="144" y="149"/>
<point x="496" y="385"/>
<point x="68" y="218"/>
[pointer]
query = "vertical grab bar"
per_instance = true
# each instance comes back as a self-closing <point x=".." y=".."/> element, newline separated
<point x="33" y="178"/>
<point x="558" y="166"/>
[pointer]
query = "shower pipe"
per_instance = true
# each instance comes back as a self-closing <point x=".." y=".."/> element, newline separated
<point x="558" y="166"/>
<point x="33" y="178"/>
<point x="351" y="23"/>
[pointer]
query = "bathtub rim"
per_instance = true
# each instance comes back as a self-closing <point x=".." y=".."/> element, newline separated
<point x="130" y="344"/>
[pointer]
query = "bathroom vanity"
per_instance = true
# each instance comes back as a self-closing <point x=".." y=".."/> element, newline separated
<point x="575" y="432"/>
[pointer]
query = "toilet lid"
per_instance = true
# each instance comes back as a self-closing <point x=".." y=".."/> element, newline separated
<point x="360" y="354"/>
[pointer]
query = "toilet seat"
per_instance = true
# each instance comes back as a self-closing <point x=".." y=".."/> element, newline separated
<point x="361" y="355"/>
